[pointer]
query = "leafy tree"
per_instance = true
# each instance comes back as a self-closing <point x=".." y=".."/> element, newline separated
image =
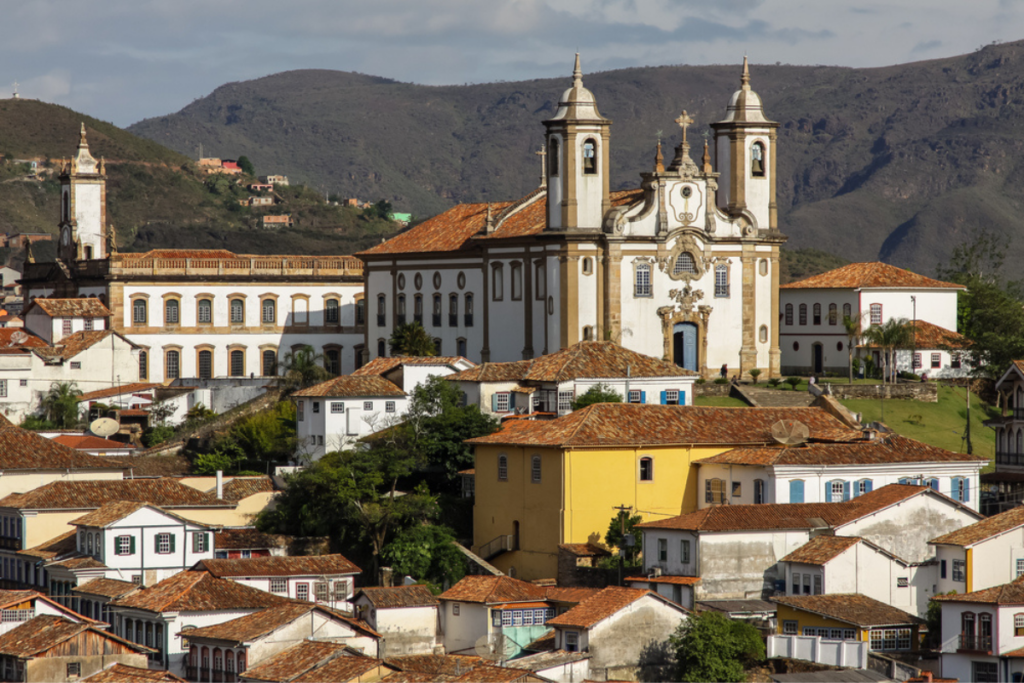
<point x="599" y="393"/>
<point x="711" y="647"/>
<point x="426" y="553"/>
<point x="754" y="374"/>
<point x="60" y="404"/>
<point x="154" y="436"/>
<point x="411" y="340"/>
<point x="614" y="536"/>
<point x="269" y="435"/>
<point x="890" y="336"/>
<point x="382" y="209"/>
<point x="302" y="368"/>
<point x="36" y="423"/>
<point x="246" y="166"/>
<point x="851" y="326"/>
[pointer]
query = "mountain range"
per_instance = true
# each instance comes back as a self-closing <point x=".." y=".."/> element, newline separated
<point x="899" y="163"/>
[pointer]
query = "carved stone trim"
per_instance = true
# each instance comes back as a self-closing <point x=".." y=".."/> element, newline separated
<point x="684" y="244"/>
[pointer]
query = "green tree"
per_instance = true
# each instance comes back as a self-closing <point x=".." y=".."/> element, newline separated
<point x="599" y="393"/>
<point x="382" y="209"/>
<point x="411" y="340"/>
<point x="302" y="368"/>
<point x="852" y="328"/>
<point x="711" y="647"/>
<point x="891" y="336"/>
<point x="427" y="553"/>
<point x="60" y="404"/>
<point x="267" y="436"/>
<point x="614" y="536"/>
<point x="246" y="165"/>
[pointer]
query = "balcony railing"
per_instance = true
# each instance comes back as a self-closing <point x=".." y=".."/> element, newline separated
<point x="259" y="265"/>
<point x="1011" y="459"/>
<point x="418" y="318"/>
<point x="497" y="546"/>
<point x="8" y="543"/>
<point x="381" y="320"/>
<point x="469" y="320"/>
<point x="453" y="320"/>
<point x="976" y="643"/>
<point x="437" y="320"/>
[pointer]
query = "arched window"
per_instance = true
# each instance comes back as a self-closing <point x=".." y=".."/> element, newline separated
<point x="139" y="312"/>
<point x="237" y="308"/>
<point x="143" y="365"/>
<point x="863" y="486"/>
<point x="417" y="308"/>
<point x="436" y="312"/>
<point x="204" y="311"/>
<point x="517" y="281"/>
<point x="589" y="157"/>
<point x="646" y="468"/>
<point x="237" y="365"/>
<point x="205" y="364"/>
<point x="437" y="346"/>
<point x="847" y="311"/>
<point x="172" y="365"/>
<point x="817" y="314"/>
<point x="588" y="266"/>
<point x="269" y="311"/>
<point x="758" y="160"/>
<point x="269" y="363"/>
<point x="643" y="280"/>
<point x="789" y="314"/>
<point x="984" y="632"/>
<point x="502" y="467"/>
<point x="714" y="491"/>
<point x="803" y="314"/>
<point x="332" y="312"/>
<point x="1020" y="441"/>
<point x="535" y="469"/>
<point x="588" y="333"/>
<point x="453" y="310"/>
<point x="382" y="310"/>
<point x="722" y="281"/>
<point x="538" y="281"/>
<point x="833" y="314"/>
<point x="382" y="348"/>
<point x="460" y="348"/>
<point x="497" y="282"/>
<point x="762" y="334"/>
<point x="684" y="264"/>
<point x="361" y="312"/>
<point x="469" y="310"/>
<point x="229" y="661"/>
<point x="400" y="309"/>
<point x="837" y="491"/>
<point x="171" y="310"/>
<point x="553" y="157"/>
<point x="88" y="538"/>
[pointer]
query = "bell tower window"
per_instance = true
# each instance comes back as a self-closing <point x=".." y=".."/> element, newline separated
<point x="757" y="160"/>
<point x="553" y="157"/>
<point x="589" y="157"/>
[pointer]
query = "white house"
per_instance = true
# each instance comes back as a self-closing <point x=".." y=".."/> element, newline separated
<point x="54" y="319"/>
<point x="334" y="414"/>
<point x="814" y="340"/>
<point x="983" y="634"/>
<point x="549" y="384"/>
<point x="985" y="554"/>
<point x="17" y="607"/>
<point x="405" y="616"/>
<point x="324" y="579"/>
<point x="835" y="469"/>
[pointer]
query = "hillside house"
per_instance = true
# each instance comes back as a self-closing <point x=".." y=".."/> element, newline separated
<point x="405" y="616"/>
<point x="850" y="616"/>
<point x="323" y="579"/>
<point x="988" y="553"/>
<point x="983" y="634"/>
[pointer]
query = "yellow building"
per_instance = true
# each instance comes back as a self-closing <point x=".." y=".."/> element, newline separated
<point x="540" y="484"/>
<point x="849" y="616"/>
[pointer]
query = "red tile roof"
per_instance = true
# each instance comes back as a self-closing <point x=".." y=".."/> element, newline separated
<point x="253" y="626"/>
<point x="850" y="608"/>
<point x="399" y="596"/>
<point x="286" y="665"/>
<point x="248" y="539"/>
<point x="1006" y="594"/>
<point x="71" y="308"/>
<point x="384" y="364"/>
<point x="983" y="530"/>
<point x="278" y="565"/>
<point x="885" y="448"/>
<point x="59" y="545"/>
<point x="497" y="674"/>
<point x="351" y="385"/>
<point x="872" y="275"/>
<point x="133" y="388"/>
<point x="569" y="594"/>
<point x="74" y="344"/>
<point x="21" y="449"/>
<point x="114" y="512"/>
<point x="344" y="669"/>
<point x="665" y="578"/>
<point x="84" y="495"/>
<point x="241" y="488"/>
<point x="599" y="607"/>
<point x="122" y="673"/>
<point x="89" y="442"/>
<point x="25" y="339"/>
<point x="452" y="665"/>
<point x="108" y="588"/>
<point x="37" y="635"/>
<point x="821" y="549"/>
<point x="198" y="591"/>
<point x="584" y="549"/>
<point x="493" y="589"/>
<point x="625" y="424"/>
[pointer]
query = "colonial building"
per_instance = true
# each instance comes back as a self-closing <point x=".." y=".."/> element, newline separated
<point x="198" y="312"/>
<point x="679" y="268"/>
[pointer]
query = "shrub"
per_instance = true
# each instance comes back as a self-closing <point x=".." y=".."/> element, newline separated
<point x="774" y="381"/>
<point x="701" y="380"/>
<point x="793" y="381"/>
<point x="754" y="374"/>
<point x="721" y="380"/>
<point x="154" y="436"/>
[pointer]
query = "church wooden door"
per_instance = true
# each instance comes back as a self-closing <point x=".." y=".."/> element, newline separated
<point x="684" y="345"/>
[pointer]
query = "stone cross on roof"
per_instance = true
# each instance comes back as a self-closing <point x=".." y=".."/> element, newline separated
<point x="684" y="121"/>
<point x="543" y="169"/>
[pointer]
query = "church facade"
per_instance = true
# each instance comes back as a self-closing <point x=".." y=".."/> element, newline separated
<point x="199" y="313"/>
<point x="684" y="268"/>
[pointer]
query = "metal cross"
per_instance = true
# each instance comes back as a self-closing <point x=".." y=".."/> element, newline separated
<point x="684" y="122"/>
<point x="15" y="88"/>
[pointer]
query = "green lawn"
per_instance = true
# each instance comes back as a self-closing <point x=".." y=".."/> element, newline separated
<point x="939" y="424"/>
<point x="720" y="402"/>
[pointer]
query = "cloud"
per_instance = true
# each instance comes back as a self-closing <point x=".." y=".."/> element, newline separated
<point x="927" y="46"/>
<point x="51" y="86"/>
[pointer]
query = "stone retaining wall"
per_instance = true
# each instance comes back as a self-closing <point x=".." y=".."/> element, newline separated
<point x="911" y="391"/>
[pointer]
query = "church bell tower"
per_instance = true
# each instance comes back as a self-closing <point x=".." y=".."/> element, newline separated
<point x="577" y="141"/>
<point x="83" y="206"/>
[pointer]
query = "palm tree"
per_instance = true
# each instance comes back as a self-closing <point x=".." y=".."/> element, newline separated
<point x="411" y="340"/>
<point x="893" y="334"/>
<point x="302" y="368"/>
<point x="852" y="326"/>
<point x="61" y="404"/>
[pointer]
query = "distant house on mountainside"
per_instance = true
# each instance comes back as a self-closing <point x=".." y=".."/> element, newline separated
<point x="277" y="221"/>
<point x="274" y="179"/>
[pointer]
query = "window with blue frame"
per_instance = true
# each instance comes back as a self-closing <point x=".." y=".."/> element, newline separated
<point x="863" y="486"/>
<point x="837" y="491"/>
<point x="932" y="483"/>
<point x="961" y="489"/>
<point x="673" y="397"/>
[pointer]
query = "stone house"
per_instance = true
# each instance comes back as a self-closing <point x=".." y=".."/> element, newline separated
<point x="405" y="616"/>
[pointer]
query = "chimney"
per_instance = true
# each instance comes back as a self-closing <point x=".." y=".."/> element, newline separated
<point x="385" y="577"/>
<point x="927" y="676"/>
<point x="220" y="484"/>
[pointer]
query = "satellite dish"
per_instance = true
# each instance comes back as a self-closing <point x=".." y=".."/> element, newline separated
<point x="104" y="426"/>
<point x="496" y="648"/>
<point x="18" y="337"/>
<point x="790" y="432"/>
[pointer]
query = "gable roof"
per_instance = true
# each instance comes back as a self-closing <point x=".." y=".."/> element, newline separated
<point x="493" y="589"/>
<point x="10" y="599"/>
<point x="84" y="442"/>
<point x="120" y="390"/>
<point x="198" y="591"/>
<point x="984" y="529"/>
<point x="1006" y="594"/>
<point x="115" y="512"/>
<point x="248" y="538"/>
<point x="107" y="588"/>
<point x="58" y="545"/>
<point x="599" y="607"/>
<point x="850" y="608"/>
<point x="255" y="625"/>
<point x="70" y="308"/>
<point x="587" y="359"/>
<point x="41" y="633"/>
<point x="291" y="663"/>
<point x="21" y="449"/>
<point x="122" y="673"/>
<point x="884" y="448"/>
<point x="385" y="364"/>
<point x="84" y="495"/>
<point x="871" y="275"/>
<point x="630" y="424"/>
<point x="351" y="385"/>
<point x="26" y="339"/>
<point x="241" y="488"/>
<point x="341" y="669"/>
<point x="821" y="549"/>
<point x="280" y="565"/>
<point x="398" y="596"/>
<point x="74" y="344"/>
<point x="447" y="664"/>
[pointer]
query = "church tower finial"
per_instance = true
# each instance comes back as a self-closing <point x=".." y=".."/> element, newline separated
<point x="577" y="73"/>
<point x="745" y="78"/>
<point x="82" y="143"/>
<point x="659" y="160"/>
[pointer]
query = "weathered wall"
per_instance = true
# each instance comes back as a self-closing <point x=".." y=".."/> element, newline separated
<point x="407" y="630"/>
<point x="743" y="564"/>
<point x="910" y="391"/>
<point x="50" y="669"/>
<point x="637" y="636"/>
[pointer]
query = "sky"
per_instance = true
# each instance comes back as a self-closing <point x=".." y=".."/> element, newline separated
<point x="125" y="60"/>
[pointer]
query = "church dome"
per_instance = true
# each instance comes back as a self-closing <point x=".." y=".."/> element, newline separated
<point x="745" y="104"/>
<point x="577" y="102"/>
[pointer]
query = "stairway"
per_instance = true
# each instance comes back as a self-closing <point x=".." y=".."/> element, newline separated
<point x="774" y="398"/>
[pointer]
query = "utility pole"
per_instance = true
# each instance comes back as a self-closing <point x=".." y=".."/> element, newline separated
<point x="913" y="357"/>
<point x="970" y="449"/>
<point x="622" y="535"/>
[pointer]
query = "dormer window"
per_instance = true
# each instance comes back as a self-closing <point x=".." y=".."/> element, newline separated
<point x="589" y="157"/>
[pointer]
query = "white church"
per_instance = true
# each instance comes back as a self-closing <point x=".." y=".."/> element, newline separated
<point x="683" y="268"/>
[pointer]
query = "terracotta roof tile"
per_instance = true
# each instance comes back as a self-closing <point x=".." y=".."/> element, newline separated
<point x="198" y="591"/>
<point x="871" y="275"/>
<point x="351" y="385"/>
<point x="133" y="388"/>
<point x="416" y="677"/>
<point x="885" y="448"/>
<point x="108" y="588"/>
<point x="248" y="539"/>
<point x="622" y="424"/>
<point x="496" y="674"/>
<point x="71" y="308"/>
<point x="585" y="549"/>
<point x="1006" y="594"/>
<point x="24" y="338"/>
<point x="241" y="488"/>
<point x="90" y="442"/>
<point x="21" y="449"/>
<point x="384" y="364"/>
<point x="452" y="665"/>
<point x="79" y="562"/>
<point x="399" y="596"/>
<point x="850" y="608"/>
<point x="983" y="530"/>
<point x="252" y="626"/>
<point x="74" y="344"/>
<point x="294" y="661"/>
<point x="493" y="589"/>
<point x="599" y="607"/>
<point x="122" y="673"/>
<point x="60" y="545"/>
<point x="84" y="495"/>
<point x="281" y="565"/>
<point x="569" y="593"/>
<point x="666" y="578"/>
<point x="114" y="512"/>
<point x="342" y="669"/>
<point x="544" y="643"/>
<point x="41" y="633"/>
<point x="513" y="371"/>
<point x="821" y="549"/>
<point x="546" y="660"/>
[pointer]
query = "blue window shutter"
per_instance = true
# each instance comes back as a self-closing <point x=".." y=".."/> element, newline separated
<point x="512" y="401"/>
<point x="131" y="545"/>
<point x="955" y="492"/>
<point x="663" y="399"/>
<point x="643" y="397"/>
<point x="904" y="480"/>
<point x="846" y="490"/>
<point x="796" y="491"/>
<point x="967" y="489"/>
<point x="172" y="543"/>
<point x="494" y="403"/>
<point x="682" y="398"/>
<point x="867" y="486"/>
<point x="828" y="492"/>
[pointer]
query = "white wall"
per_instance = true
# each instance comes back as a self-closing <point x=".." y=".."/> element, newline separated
<point x="462" y="631"/>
